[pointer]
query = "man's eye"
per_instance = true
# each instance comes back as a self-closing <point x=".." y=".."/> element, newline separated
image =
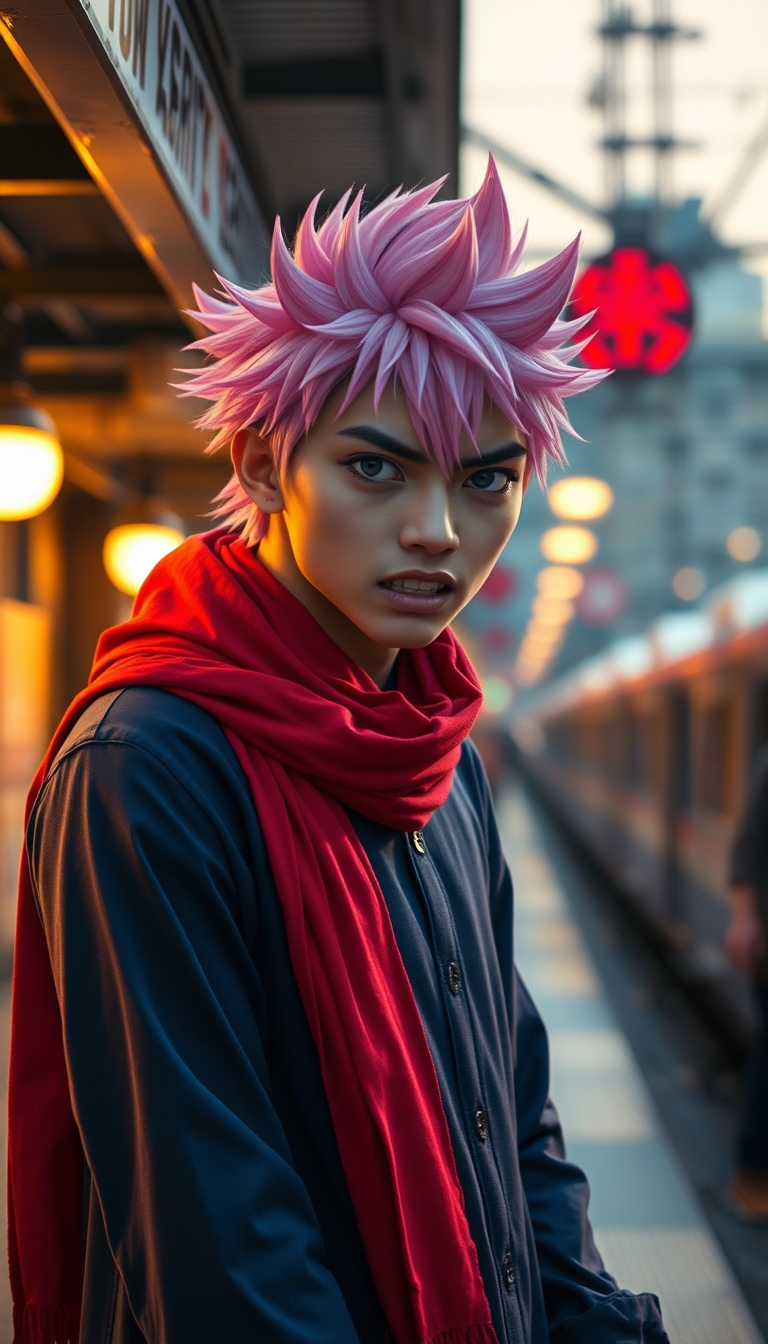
<point x="491" y="481"/>
<point x="375" y="469"/>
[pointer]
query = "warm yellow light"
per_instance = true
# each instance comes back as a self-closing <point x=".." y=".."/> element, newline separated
<point x="544" y="630"/>
<point x="528" y="674"/>
<point x="552" y="610"/>
<point x="539" y="651"/>
<point x="527" y="659"/>
<point x="580" y="497"/>
<point x="568" y="545"/>
<point x="744" y="544"/>
<point x="688" y="583"/>
<point x="31" y="470"/>
<point x="132" y="550"/>
<point x="559" y="581"/>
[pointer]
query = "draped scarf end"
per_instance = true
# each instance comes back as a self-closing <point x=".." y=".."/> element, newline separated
<point x="35" y="1324"/>
<point x="466" y="1334"/>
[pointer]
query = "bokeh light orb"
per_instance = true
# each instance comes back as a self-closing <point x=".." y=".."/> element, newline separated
<point x="559" y="581"/>
<point x="688" y="583"/>
<point x="552" y="610"/>
<point x="568" y="545"/>
<point x="31" y="470"/>
<point x="744" y="544"/>
<point x="132" y="550"/>
<point x="542" y="636"/>
<point x="580" y="498"/>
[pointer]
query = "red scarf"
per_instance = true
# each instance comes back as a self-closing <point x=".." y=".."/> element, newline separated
<point x="313" y="734"/>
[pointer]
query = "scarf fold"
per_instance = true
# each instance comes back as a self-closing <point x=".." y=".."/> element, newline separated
<point x="313" y="734"/>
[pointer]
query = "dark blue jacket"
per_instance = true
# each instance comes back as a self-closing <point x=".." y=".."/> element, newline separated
<point x="216" y="1205"/>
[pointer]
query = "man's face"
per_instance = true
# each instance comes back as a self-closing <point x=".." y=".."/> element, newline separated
<point x="365" y="523"/>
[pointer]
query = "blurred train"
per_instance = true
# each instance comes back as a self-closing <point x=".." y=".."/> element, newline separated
<point x="646" y="753"/>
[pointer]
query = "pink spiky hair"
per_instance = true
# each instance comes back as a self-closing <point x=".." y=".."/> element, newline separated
<point x="421" y="291"/>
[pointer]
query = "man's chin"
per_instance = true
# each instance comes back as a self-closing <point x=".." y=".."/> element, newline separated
<point x="412" y="633"/>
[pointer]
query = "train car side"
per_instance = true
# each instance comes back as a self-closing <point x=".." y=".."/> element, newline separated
<point x="651" y="773"/>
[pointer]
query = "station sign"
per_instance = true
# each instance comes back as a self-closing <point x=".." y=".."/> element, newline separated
<point x="154" y="58"/>
<point x="642" y="311"/>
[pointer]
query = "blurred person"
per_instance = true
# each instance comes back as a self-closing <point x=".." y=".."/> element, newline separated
<point x="747" y="947"/>
<point x="274" y="1076"/>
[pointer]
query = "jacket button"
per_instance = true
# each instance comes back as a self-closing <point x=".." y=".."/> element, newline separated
<point x="417" y="840"/>
<point x="481" y="1125"/>
<point x="454" y="977"/>
<point x="508" y="1271"/>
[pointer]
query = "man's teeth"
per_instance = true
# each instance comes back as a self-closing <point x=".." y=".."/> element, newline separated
<point x="414" y="586"/>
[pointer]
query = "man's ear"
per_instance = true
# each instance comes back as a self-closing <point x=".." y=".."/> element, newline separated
<point x="255" y="470"/>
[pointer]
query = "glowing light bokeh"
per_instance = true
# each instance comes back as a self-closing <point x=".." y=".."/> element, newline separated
<point x="744" y="544"/>
<point x="559" y="581"/>
<point x="580" y="498"/>
<point x="568" y="545"/>
<point x="688" y="583"/>
<point x="132" y="551"/>
<point x="31" y="470"/>
<point x="552" y="610"/>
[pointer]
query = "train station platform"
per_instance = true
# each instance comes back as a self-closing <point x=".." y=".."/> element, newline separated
<point x="649" y="1225"/>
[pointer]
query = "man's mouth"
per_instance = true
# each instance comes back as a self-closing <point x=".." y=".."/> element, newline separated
<point x="413" y="585"/>
<point x="418" y="594"/>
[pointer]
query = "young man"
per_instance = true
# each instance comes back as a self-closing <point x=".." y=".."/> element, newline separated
<point x="274" y="1076"/>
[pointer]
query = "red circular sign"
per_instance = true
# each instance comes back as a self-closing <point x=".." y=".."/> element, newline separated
<point x="604" y="597"/>
<point x="644" y="311"/>
<point x="500" y="586"/>
<point x="498" y="641"/>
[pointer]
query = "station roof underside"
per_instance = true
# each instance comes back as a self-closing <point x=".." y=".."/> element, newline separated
<point x="316" y="95"/>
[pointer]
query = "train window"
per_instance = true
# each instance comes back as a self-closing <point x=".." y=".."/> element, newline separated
<point x="634" y="752"/>
<point x="653" y="760"/>
<point x="680" y="711"/>
<point x="760" y="717"/>
<point x="714" y="781"/>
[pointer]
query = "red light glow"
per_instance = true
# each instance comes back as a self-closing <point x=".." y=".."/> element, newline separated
<point x="644" y="311"/>
<point x="500" y="586"/>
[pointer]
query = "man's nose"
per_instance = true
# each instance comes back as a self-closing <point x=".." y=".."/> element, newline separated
<point x="429" y="524"/>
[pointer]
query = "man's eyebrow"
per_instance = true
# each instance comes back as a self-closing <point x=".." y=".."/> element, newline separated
<point x="502" y="454"/>
<point x="379" y="439"/>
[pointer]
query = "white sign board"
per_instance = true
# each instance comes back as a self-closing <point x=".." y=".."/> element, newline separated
<point x="150" y="49"/>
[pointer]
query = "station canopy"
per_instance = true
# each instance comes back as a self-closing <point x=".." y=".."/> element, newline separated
<point x="146" y="143"/>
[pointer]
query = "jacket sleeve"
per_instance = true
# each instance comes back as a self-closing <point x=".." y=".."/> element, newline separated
<point x="210" y="1226"/>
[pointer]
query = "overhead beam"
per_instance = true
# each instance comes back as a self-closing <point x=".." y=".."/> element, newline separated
<point x="740" y="176"/>
<point x="74" y="282"/>
<point x="39" y="149"/>
<point x="46" y="186"/>
<point x="327" y="76"/>
<point x="511" y="159"/>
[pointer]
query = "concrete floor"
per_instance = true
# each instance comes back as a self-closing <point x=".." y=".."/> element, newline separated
<point x="650" y="1224"/>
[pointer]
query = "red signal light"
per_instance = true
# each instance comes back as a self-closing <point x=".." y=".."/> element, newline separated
<point x="644" y="314"/>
